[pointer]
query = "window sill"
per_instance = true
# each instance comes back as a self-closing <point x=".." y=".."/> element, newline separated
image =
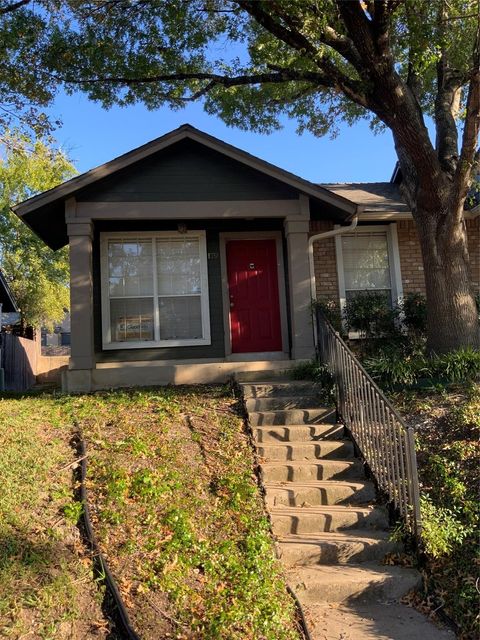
<point x="155" y="345"/>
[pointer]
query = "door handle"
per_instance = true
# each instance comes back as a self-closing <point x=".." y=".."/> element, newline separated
<point x="231" y="305"/>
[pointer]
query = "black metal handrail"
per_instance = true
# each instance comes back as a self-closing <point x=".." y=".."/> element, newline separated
<point x="385" y="441"/>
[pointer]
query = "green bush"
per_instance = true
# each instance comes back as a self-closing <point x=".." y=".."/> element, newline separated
<point x="371" y="314"/>
<point x="458" y="366"/>
<point x="392" y="368"/>
<point x="400" y="363"/>
<point x="442" y="530"/>
<point x="331" y="310"/>
<point x="319" y="373"/>
<point x="414" y="308"/>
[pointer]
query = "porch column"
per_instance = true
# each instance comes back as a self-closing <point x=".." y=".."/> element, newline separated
<point x="296" y="233"/>
<point x="81" y="297"/>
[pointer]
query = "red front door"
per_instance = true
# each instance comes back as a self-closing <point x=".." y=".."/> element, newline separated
<point x="254" y="301"/>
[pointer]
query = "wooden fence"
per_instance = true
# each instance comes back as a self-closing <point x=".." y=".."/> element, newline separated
<point x="18" y="359"/>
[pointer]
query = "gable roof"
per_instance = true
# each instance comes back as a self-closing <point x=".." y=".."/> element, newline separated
<point x="54" y="198"/>
<point x="7" y="299"/>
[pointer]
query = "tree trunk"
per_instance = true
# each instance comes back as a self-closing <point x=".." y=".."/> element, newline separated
<point x="452" y="315"/>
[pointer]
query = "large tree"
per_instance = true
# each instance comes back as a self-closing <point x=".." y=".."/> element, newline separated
<point x="318" y="61"/>
<point x="37" y="275"/>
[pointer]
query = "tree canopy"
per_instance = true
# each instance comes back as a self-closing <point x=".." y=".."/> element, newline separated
<point x="394" y="62"/>
<point x="37" y="275"/>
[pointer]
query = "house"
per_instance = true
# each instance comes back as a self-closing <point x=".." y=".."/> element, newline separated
<point x="60" y="338"/>
<point x="190" y="259"/>
<point x="9" y="310"/>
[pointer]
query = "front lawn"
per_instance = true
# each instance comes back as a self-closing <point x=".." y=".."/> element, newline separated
<point x="47" y="589"/>
<point x="176" y="508"/>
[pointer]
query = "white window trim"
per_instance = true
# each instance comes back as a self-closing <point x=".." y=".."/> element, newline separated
<point x="393" y="258"/>
<point x="107" y="344"/>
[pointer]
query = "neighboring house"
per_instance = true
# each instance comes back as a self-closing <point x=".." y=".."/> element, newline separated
<point x="60" y="336"/>
<point x="9" y="310"/>
<point x="190" y="260"/>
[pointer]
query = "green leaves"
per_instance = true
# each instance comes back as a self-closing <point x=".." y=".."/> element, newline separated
<point x="37" y="275"/>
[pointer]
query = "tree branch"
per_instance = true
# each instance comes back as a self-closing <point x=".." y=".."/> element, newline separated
<point x="447" y="104"/>
<point x="278" y="75"/>
<point x="13" y="7"/>
<point x="469" y="154"/>
<point x="292" y="37"/>
<point x="471" y="130"/>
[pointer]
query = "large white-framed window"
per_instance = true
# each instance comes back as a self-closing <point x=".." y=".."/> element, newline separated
<point x="154" y="289"/>
<point x="368" y="260"/>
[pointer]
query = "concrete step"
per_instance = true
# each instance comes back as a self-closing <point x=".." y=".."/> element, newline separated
<point x="298" y="433"/>
<point x="324" y="449"/>
<point x="310" y="494"/>
<point x="284" y="402"/>
<point x="366" y="582"/>
<point x="303" y="520"/>
<point x="353" y="546"/>
<point x="280" y="372"/>
<point x="371" y="621"/>
<point x="309" y="471"/>
<point x="281" y="389"/>
<point x="292" y="416"/>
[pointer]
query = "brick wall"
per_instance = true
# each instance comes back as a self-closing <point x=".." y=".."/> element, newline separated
<point x="411" y="267"/>
<point x="410" y="258"/>
<point x="325" y="262"/>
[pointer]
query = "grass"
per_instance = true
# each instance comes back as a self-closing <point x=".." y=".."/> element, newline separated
<point x="179" y="514"/>
<point x="447" y="424"/>
<point x="175" y="505"/>
<point x="47" y="589"/>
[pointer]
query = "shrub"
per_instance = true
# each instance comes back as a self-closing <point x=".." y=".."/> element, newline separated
<point x="371" y="314"/>
<point x="331" y="310"/>
<point x="414" y="308"/>
<point x="319" y="373"/>
<point x="458" y="366"/>
<point x="401" y="363"/>
<point x="442" y="531"/>
<point x="392" y="367"/>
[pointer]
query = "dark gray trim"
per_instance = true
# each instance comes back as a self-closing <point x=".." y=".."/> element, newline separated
<point x="212" y="227"/>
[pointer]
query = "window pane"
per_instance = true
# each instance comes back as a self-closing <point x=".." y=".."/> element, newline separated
<point x="130" y="268"/>
<point x="178" y="266"/>
<point x="180" y="318"/>
<point x="366" y="264"/>
<point x="131" y="320"/>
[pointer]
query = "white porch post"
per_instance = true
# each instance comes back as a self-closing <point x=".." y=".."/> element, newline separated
<point x="296" y="233"/>
<point x="82" y="357"/>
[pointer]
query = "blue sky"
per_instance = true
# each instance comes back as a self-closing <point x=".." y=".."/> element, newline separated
<point x="92" y="135"/>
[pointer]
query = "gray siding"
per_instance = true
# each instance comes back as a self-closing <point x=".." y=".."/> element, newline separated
<point x="217" y="347"/>
<point x="187" y="171"/>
